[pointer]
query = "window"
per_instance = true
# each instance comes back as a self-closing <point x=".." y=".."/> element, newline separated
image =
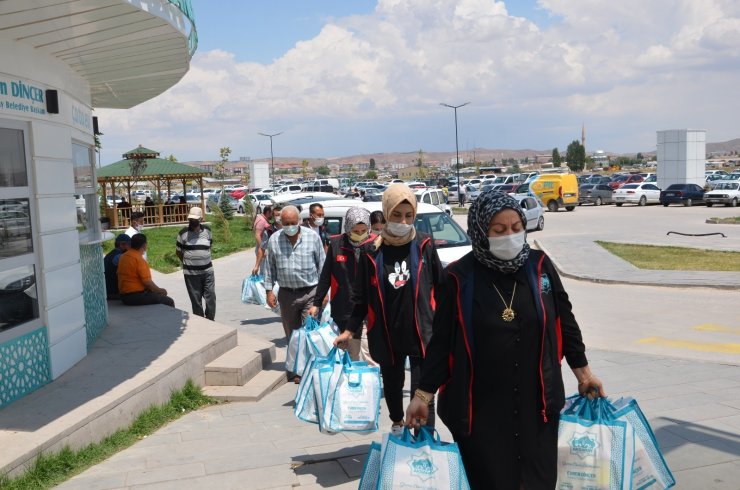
<point x="12" y="158"/>
<point x="86" y="201"/>
<point x="427" y="198"/>
<point x="435" y="198"/>
<point x="18" y="292"/>
<point x="333" y="226"/>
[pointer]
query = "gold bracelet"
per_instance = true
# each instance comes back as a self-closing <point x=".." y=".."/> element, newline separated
<point x="424" y="396"/>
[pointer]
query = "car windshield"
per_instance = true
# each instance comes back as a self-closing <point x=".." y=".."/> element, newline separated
<point x="444" y="230"/>
<point x="727" y="186"/>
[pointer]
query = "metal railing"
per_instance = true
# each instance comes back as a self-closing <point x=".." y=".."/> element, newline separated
<point x="187" y="9"/>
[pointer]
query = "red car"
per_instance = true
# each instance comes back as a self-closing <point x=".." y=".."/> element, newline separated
<point x="239" y="193"/>
<point x="620" y="180"/>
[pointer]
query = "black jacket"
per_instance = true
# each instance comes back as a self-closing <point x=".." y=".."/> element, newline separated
<point x="368" y="297"/>
<point x="339" y="273"/>
<point x="450" y="355"/>
<point x="111" y="273"/>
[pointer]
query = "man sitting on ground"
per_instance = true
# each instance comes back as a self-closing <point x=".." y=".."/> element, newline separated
<point x="135" y="283"/>
<point x="110" y="265"/>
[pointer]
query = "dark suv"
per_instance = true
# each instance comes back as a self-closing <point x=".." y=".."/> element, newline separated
<point x="686" y="194"/>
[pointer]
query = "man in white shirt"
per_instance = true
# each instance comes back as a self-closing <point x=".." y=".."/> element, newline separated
<point x="136" y="224"/>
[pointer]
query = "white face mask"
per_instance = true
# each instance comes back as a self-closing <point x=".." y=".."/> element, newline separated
<point x="398" y="229"/>
<point x="506" y="247"/>
<point x="290" y="230"/>
<point x="318" y="221"/>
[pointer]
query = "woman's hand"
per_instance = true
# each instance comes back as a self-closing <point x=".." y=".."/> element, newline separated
<point x="417" y="413"/>
<point x="342" y="339"/>
<point x="588" y="385"/>
<point x="313" y="311"/>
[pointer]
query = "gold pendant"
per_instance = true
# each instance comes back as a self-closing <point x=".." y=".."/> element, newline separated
<point x="508" y="315"/>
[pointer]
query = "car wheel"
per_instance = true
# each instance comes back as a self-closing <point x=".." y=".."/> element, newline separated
<point x="665" y="204"/>
<point x="569" y="208"/>
<point x="688" y="203"/>
<point x="619" y="204"/>
<point x="598" y="201"/>
<point x="552" y="206"/>
<point x="709" y="204"/>
<point x="240" y="210"/>
<point x="643" y="201"/>
<point x="541" y="223"/>
<point x="733" y="203"/>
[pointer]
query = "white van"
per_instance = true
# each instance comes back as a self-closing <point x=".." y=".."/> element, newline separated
<point x="435" y="197"/>
<point x="450" y="239"/>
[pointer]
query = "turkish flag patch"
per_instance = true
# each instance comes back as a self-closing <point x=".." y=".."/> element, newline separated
<point x="341" y="258"/>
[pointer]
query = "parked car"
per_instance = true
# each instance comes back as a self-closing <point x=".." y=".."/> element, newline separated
<point x="624" y="179"/>
<point x="596" y="194"/>
<point x="217" y="198"/>
<point x="473" y="195"/>
<point x="640" y="194"/>
<point x="727" y="193"/>
<point x="686" y="194"/>
<point x="452" y="194"/>
<point x="372" y="195"/>
<point x="450" y="239"/>
<point x="435" y="197"/>
<point x="289" y="189"/>
<point x="534" y="212"/>
<point x="259" y="201"/>
<point x="556" y="190"/>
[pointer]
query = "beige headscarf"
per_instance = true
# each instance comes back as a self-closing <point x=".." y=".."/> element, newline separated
<point x="394" y="195"/>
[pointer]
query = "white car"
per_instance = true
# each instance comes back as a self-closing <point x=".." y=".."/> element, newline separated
<point x="727" y="193"/>
<point x="259" y="201"/>
<point x="534" y="212"/>
<point x="450" y="240"/>
<point x="639" y="193"/>
<point x="435" y="197"/>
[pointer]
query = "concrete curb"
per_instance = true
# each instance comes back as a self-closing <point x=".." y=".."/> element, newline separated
<point x="635" y="281"/>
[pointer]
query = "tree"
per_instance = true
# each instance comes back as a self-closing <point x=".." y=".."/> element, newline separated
<point x="304" y="169"/>
<point x="557" y="160"/>
<point x="576" y="156"/>
<point x="514" y="169"/>
<point x="172" y="158"/>
<point x="224" y="153"/>
<point x="640" y="157"/>
<point x="323" y="170"/>
<point x="371" y="175"/>
<point x="421" y="172"/>
<point x="372" y="164"/>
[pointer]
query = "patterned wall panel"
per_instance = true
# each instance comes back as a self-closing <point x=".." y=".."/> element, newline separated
<point x="93" y="291"/>
<point x="24" y="365"/>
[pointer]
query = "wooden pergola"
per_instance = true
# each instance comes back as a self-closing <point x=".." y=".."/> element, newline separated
<point x="143" y="164"/>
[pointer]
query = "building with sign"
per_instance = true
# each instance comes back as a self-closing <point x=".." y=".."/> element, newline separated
<point x="60" y="59"/>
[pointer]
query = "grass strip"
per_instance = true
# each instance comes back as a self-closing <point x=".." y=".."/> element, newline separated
<point x="732" y="220"/>
<point x="233" y="236"/>
<point x="50" y="470"/>
<point x="674" y="258"/>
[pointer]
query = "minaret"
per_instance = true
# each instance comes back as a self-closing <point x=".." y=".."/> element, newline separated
<point x="583" y="136"/>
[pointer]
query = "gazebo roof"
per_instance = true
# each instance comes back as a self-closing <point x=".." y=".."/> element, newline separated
<point x="140" y="150"/>
<point x="155" y="168"/>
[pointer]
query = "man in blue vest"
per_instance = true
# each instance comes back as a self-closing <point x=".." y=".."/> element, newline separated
<point x="110" y="264"/>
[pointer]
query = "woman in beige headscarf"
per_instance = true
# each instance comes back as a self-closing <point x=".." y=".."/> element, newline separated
<point x="395" y="291"/>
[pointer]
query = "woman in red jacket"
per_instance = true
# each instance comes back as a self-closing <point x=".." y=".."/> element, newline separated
<point x="395" y="291"/>
<point x="503" y="325"/>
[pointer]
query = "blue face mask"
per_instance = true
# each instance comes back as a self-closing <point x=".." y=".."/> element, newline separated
<point x="290" y="230"/>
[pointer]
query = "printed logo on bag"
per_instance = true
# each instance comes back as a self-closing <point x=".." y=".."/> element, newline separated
<point x="545" y="284"/>
<point x="341" y="258"/>
<point x="422" y="466"/>
<point x="583" y="445"/>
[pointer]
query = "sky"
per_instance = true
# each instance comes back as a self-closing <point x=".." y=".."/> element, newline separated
<point x="346" y="77"/>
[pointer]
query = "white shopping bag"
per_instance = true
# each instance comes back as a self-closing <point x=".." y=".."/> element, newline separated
<point x="425" y="463"/>
<point x="321" y="338"/>
<point x="594" y="453"/>
<point x="352" y="397"/>
<point x="306" y="397"/>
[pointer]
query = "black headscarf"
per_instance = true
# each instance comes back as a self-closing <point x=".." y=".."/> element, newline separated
<point x="479" y="217"/>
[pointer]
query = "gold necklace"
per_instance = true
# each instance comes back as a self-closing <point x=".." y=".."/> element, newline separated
<point x="508" y="313"/>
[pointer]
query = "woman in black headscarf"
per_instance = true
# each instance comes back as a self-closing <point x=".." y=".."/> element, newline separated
<point x="502" y="326"/>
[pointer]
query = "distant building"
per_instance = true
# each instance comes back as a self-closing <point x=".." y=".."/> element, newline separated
<point x="600" y="158"/>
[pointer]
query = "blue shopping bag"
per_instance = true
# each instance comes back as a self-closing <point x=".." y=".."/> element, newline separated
<point x="307" y="400"/>
<point x="253" y="290"/>
<point x="595" y="451"/>
<point x="425" y="463"/>
<point x="650" y="469"/>
<point x="321" y="338"/>
<point x="300" y="351"/>
<point x="371" y="469"/>
<point x="351" y="393"/>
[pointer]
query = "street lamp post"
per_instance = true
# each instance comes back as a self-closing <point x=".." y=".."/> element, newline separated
<point x="272" y="157"/>
<point x="457" y="148"/>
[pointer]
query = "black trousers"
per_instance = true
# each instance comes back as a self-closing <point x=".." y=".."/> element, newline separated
<point x="146" y="298"/>
<point x="394" y="377"/>
<point x="202" y="287"/>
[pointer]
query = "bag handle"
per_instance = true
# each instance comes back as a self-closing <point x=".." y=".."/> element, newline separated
<point x="430" y="434"/>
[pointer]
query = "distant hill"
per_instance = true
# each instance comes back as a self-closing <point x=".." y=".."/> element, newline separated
<point x="724" y="147"/>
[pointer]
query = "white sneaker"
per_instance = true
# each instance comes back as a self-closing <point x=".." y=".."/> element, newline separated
<point x="397" y="430"/>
